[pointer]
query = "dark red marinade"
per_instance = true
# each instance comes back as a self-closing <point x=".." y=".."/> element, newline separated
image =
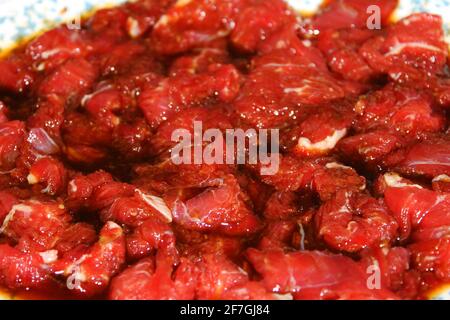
<point x="92" y="207"/>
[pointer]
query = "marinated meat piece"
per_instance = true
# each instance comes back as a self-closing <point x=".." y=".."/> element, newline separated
<point x="286" y="47"/>
<point x="258" y="21"/>
<point x="149" y="236"/>
<point x="441" y="183"/>
<point x="369" y="148"/>
<point x="391" y="179"/>
<point x="120" y="56"/>
<point x="310" y="142"/>
<point x="20" y="270"/>
<point x="282" y="205"/>
<point x="134" y="210"/>
<point x="230" y="247"/>
<point x="394" y="264"/>
<point x="335" y="177"/>
<point x="221" y="207"/>
<point x="201" y="59"/>
<point x="7" y="201"/>
<point x="412" y="49"/>
<point x="48" y="173"/>
<point x="293" y="174"/>
<point x="341" y="49"/>
<point x="156" y="280"/>
<point x="81" y="188"/>
<point x="339" y="14"/>
<point x="77" y="234"/>
<point x="3" y="113"/>
<point x="85" y="139"/>
<point x="407" y="111"/>
<point x="215" y="269"/>
<point x="36" y="226"/>
<point x="103" y="104"/>
<point x="12" y="134"/>
<point x="45" y="125"/>
<point x="70" y="81"/>
<point x="131" y="140"/>
<point x="275" y="90"/>
<point x="416" y="208"/>
<point x="90" y="273"/>
<point x="314" y="275"/>
<point x="433" y="255"/>
<point x="278" y="234"/>
<point x="143" y="15"/>
<point x="428" y="158"/>
<point x="213" y="118"/>
<point x="56" y="46"/>
<point x="352" y="221"/>
<point x="180" y="92"/>
<point x="441" y="91"/>
<point x="193" y="23"/>
<point x="16" y="75"/>
<point x="167" y="176"/>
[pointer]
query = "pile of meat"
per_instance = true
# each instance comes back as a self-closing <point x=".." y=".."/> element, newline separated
<point x="91" y="205"/>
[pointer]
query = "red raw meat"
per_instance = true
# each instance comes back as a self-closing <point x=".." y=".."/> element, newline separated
<point x="20" y="270"/>
<point x="81" y="188"/>
<point x="429" y="158"/>
<point x="221" y="208"/>
<point x="214" y="118"/>
<point x="353" y="221"/>
<point x="417" y="208"/>
<point x="433" y="255"/>
<point x="131" y="140"/>
<point x="341" y="49"/>
<point x="70" y="81"/>
<point x="134" y="210"/>
<point x="11" y="136"/>
<point x="102" y="105"/>
<point x="3" y="113"/>
<point x="293" y="174"/>
<point x="407" y="111"/>
<point x="282" y="205"/>
<point x="190" y="24"/>
<point x="94" y="203"/>
<point x="7" y="201"/>
<point x="369" y="148"/>
<point x="231" y="247"/>
<point x="48" y="173"/>
<point x="56" y="46"/>
<point x="412" y="49"/>
<point x="441" y="183"/>
<point x="15" y="75"/>
<point x="339" y="14"/>
<point x="46" y="124"/>
<point x="180" y="92"/>
<point x="310" y="142"/>
<point x="90" y="273"/>
<point x="258" y="21"/>
<point x="335" y="177"/>
<point x="314" y="275"/>
<point x="77" y="234"/>
<point x="36" y="226"/>
<point x="394" y="264"/>
<point x="150" y="280"/>
<point x="120" y="56"/>
<point x="149" y="236"/>
<point x="279" y="234"/>
<point x="200" y="60"/>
